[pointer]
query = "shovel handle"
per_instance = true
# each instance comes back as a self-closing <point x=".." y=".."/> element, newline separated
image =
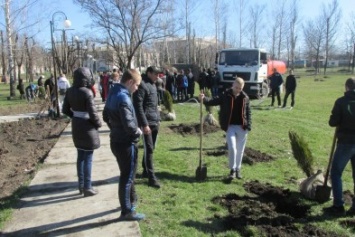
<point x="201" y="132"/>
<point x="331" y="155"/>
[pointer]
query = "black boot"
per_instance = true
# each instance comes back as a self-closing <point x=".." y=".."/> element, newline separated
<point x="232" y="174"/>
<point x="238" y="174"/>
<point x="154" y="183"/>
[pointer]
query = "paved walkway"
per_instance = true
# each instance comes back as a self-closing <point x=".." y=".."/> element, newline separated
<point x="53" y="206"/>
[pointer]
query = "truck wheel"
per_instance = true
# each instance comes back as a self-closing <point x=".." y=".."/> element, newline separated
<point x="264" y="90"/>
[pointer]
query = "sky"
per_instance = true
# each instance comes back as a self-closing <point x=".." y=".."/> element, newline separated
<point x="202" y="19"/>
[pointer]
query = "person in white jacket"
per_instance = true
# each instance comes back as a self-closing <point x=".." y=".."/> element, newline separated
<point x="63" y="85"/>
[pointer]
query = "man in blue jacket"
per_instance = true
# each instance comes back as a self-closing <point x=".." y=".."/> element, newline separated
<point x="120" y="116"/>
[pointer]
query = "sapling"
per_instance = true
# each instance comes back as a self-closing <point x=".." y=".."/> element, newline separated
<point x="302" y="153"/>
<point x="168" y="114"/>
<point x="209" y="119"/>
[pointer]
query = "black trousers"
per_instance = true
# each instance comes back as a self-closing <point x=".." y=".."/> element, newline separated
<point x="126" y="155"/>
<point x="292" y="98"/>
<point x="149" y="141"/>
<point x="275" y="91"/>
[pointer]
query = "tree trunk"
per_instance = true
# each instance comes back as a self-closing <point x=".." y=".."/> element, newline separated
<point x="9" y="47"/>
<point x="3" y="62"/>
<point x="19" y="70"/>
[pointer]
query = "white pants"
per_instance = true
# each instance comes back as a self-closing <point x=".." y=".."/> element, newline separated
<point x="236" y="140"/>
<point x="61" y="100"/>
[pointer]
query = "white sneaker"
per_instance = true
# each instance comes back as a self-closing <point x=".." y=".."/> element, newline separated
<point x="291" y="108"/>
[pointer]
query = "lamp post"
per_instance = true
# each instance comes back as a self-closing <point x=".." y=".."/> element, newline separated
<point x="61" y="16"/>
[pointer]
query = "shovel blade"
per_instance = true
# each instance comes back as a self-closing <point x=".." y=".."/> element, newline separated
<point x="201" y="173"/>
<point x="323" y="193"/>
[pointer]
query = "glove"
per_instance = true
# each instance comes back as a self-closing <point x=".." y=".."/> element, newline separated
<point x="139" y="131"/>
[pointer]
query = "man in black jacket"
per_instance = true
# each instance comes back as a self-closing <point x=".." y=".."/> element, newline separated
<point x="290" y="89"/>
<point x="275" y="84"/>
<point x="145" y="101"/>
<point x="343" y="117"/>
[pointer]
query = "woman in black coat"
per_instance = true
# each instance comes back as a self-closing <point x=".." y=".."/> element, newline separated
<point x="79" y="105"/>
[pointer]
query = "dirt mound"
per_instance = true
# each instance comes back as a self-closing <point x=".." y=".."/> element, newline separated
<point x="272" y="210"/>
<point x="22" y="145"/>
<point x="251" y="156"/>
<point x="193" y="129"/>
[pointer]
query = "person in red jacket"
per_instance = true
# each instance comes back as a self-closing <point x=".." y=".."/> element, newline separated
<point x="104" y="81"/>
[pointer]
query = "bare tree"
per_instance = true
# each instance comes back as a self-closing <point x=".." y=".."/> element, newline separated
<point x="219" y="10"/>
<point x="29" y="47"/>
<point x="351" y="30"/>
<point x="240" y="7"/>
<point x="189" y="8"/>
<point x="314" y="35"/>
<point x="256" y="17"/>
<point x="9" y="48"/>
<point x="293" y="36"/>
<point x="3" y="54"/>
<point x="128" y="23"/>
<point x="16" y="20"/>
<point x="331" y="18"/>
<point x="280" y="24"/>
<point x="19" y="52"/>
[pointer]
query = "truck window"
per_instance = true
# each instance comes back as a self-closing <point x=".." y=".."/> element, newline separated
<point x="240" y="58"/>
<point x="263" y="58"/>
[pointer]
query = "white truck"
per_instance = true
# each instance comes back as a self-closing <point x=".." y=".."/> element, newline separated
<point x="251" y="64"/>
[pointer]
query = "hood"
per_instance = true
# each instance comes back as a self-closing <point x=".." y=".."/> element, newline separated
<point x="82" y="77"/>
<point x="350" y="94"/>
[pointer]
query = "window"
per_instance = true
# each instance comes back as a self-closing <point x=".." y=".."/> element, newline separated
<point x="241" y="58"/>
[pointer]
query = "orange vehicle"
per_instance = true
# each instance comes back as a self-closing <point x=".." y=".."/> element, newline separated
<point x="251" y="64"/>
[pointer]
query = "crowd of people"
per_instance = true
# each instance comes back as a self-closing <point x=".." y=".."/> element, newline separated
<point x="131" y="113"/>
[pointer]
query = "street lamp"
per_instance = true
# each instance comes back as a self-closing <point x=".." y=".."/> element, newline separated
<point x="60" y="17"/>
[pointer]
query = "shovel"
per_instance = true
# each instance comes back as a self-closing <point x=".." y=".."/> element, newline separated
<point x="201" y="171"/>
<point x="323" y="191"/>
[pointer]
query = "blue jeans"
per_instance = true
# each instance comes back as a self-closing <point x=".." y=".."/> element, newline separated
<point x="127" y="158"/>
<point x="343" y="153"/>
<point x="83" y="165"/>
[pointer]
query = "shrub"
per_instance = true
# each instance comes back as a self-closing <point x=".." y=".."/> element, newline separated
<point x="301" y="153"/>
<point x="168" y="101"/>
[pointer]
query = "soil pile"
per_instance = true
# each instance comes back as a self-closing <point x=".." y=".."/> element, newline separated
<point x="272" y="210"/>
<point x="23" y="145"/>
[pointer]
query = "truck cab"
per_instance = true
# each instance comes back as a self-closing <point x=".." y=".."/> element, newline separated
<point x="250" y="64"/>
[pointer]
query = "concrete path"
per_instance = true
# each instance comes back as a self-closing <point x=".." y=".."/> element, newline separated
<point x="53" y="206"/>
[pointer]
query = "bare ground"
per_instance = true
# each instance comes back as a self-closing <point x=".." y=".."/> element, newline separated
<point x="23" y="145"/>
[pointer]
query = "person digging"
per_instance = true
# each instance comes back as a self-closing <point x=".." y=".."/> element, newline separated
<point x="343" y="117"/>
<point x="235" y="120"/>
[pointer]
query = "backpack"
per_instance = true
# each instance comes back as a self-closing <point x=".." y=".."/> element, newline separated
<point x="180" y="81"/>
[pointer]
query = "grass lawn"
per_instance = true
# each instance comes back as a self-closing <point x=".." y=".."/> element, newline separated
<point x="183" y="207"/>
